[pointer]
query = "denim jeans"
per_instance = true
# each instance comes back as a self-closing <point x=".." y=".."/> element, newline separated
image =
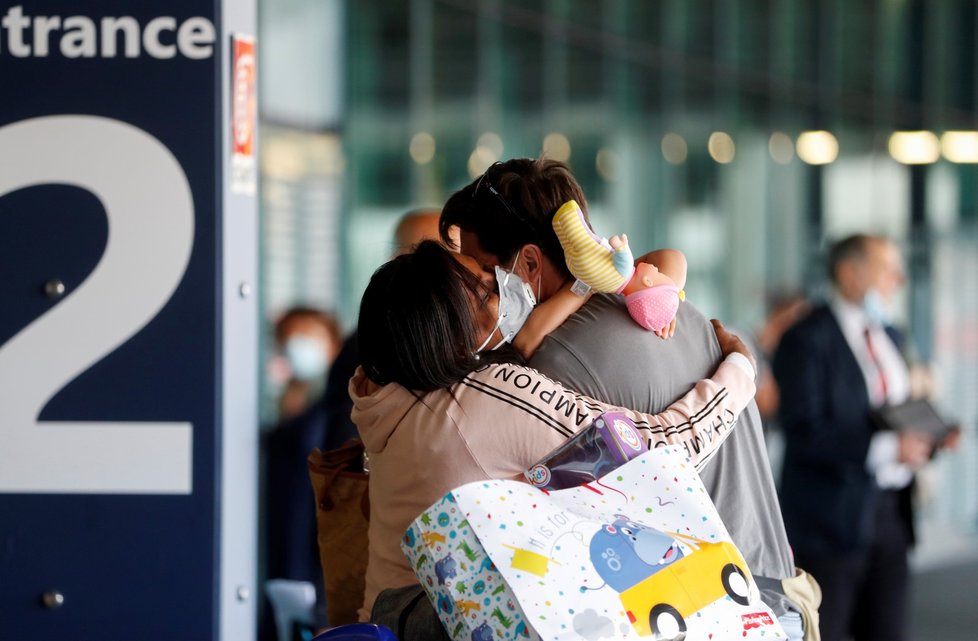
<point x="793" y="626"/>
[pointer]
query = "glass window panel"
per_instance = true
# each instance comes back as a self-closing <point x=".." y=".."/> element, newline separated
<point x="522" y="58"/>
<point x="643" y="30"/>
<point x="456" y="52"/>
<point x="585" y="57"/>
<point x="379" y="59"/>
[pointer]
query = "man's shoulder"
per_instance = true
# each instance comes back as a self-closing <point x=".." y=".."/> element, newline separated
<point x="818" y="321"/>
<point x="605" y="316"/>
<point x="820" y="314"/>
<point x="603" y="340"/>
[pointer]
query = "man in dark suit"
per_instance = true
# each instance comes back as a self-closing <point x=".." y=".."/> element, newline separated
<point x="845" y="491"/>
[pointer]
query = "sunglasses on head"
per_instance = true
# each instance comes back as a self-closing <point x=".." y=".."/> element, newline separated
<point x="485" y="183"/>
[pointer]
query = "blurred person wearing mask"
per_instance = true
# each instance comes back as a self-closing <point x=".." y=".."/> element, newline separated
<point x="308" y="340"/>
<point x="845" y="490"/>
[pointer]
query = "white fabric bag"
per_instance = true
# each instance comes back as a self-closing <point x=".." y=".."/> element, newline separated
<point x="640" y="553"/>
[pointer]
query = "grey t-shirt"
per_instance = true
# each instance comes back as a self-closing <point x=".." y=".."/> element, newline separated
<point x="602" y="352"/>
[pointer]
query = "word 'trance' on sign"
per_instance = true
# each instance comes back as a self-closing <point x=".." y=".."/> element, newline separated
<point x="26" y="36"/>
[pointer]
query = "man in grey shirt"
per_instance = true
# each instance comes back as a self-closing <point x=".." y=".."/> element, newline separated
<point x="602" y="352"/>
<point x="505" y="220"/>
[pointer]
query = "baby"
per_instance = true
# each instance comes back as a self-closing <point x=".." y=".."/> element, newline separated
<point x="652" y="285"/>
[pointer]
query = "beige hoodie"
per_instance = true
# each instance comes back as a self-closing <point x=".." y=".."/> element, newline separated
<point x="493" y="425"/>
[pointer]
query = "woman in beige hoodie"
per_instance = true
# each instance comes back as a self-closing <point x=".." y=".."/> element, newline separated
<point x="435" y="413"/>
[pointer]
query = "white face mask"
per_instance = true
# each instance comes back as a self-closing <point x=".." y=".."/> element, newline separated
<point x="306" y="357"/>
<point x="876" y="308"/>
<point x="516" y="301"/>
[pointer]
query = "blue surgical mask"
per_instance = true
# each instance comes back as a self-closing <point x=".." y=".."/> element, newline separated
<point x="306" y="357"/>
<point x="876" y="308"/>
<point x="516" y="301"/>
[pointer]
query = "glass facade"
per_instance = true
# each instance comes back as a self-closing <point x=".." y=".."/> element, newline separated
<point x="744" y="133"/>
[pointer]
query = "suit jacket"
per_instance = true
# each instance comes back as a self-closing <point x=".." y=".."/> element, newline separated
<point x="828" y="498"/>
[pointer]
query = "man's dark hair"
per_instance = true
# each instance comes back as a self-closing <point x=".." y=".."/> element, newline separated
<point x="849" y="248"/>
<point x="513" y="204"/>
<point x="417" y="326"/>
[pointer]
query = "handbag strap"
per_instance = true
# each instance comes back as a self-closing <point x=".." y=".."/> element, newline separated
<point x="402" y="619"/>
<point x="348" y="456"/>
<point x="347" y="461"/>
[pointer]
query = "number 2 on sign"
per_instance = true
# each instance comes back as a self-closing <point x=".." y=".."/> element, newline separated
<point x="150" y="213"/>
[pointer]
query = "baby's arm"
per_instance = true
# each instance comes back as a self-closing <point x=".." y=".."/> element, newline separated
<point x="670" y="262"/>
<point x="545" y="318"/>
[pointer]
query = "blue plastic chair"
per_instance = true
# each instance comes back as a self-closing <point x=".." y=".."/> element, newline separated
<point x="357" y="632"/>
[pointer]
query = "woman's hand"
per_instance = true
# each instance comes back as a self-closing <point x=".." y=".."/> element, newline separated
<point x="730" y="343"/>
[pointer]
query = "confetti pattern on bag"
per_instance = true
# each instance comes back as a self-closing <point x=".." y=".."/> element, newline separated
<point x="639" y="554"/>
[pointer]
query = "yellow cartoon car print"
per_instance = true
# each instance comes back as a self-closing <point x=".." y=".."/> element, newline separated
<point x="662" y="583"/>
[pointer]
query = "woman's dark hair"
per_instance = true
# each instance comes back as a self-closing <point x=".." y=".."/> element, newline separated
<point x="417" y="322"/>
<point x="513" y="204"/>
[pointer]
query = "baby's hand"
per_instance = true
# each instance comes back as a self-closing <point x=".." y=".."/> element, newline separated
<point x="617" y="242"/>
<point x="668" y="331"/>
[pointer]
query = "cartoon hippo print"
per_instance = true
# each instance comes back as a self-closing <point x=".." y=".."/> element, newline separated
<point x="445" y="569"/>
<point x="625" y="553"/>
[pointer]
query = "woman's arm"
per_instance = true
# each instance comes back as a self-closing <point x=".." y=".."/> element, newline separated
<point x="545" y="318"/>
<point x="699" y="421"/>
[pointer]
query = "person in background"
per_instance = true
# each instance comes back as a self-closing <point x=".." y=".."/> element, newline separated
<point x="845" y="490"/>
<point x="308" y="340"/>
<point x="413" y="227"/>
<point x="785" y="310"/>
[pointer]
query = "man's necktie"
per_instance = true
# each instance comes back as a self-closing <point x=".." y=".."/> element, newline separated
<point x="881" y="382"/>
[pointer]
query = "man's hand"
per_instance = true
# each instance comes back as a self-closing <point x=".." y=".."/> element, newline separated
<point x="915" y="449"/>
<point x="731" y="343"/>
